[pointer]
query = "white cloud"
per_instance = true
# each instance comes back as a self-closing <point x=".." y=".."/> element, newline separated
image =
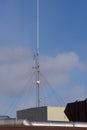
<point x="57" y="69"/>
<point x="63" y="62"/>
<point x="16" y="68"/>
<point x="17" y="63"/>
<point x="9" y="55"/>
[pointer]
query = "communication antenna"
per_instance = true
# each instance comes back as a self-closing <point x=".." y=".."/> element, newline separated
<point x="36" y="57"/>
<point x="37" y="61"/>
<point x="38" y="26"/>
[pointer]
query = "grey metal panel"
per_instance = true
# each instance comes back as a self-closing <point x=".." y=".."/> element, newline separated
<point x="33" y="114"/>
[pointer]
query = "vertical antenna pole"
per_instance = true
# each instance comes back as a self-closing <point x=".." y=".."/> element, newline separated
<point x="37" y="61"/>
<point x="38" y="26"/>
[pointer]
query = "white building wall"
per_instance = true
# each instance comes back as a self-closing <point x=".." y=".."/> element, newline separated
<point x="56" y="114"/>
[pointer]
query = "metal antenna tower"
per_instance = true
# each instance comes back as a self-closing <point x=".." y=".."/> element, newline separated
<point x="37" y="66"/>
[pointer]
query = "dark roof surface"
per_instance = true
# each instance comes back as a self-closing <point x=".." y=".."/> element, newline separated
<point x="77" y="111"/>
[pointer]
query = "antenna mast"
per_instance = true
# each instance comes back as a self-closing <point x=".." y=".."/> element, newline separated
<point x="37" y="61"/>
<point x="38" y="26"/>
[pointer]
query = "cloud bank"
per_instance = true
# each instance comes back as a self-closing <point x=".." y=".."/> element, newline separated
<point x="16" y="67"/>
<point x="58" y="68"/>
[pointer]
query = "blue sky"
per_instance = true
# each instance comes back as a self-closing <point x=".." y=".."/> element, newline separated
<point x="63" y="52"/>
<point x="65" y="23"/>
